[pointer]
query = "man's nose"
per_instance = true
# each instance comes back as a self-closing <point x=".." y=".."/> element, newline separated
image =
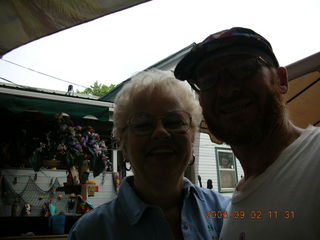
<point x="229" y="86"/>
<point x="160" y="131"/>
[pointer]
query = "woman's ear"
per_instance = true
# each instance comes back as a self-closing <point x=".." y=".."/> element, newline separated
<point x="192" y="138"/>
<point x="123" y="148"/>
<point x="191" y="133"/>
<point x="283" y="79"/>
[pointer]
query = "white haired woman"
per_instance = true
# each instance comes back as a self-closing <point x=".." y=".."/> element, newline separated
<point x="155" y="121"/>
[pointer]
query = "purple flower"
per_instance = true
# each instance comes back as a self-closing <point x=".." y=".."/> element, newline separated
<point x="78" y="146"/>
<point x="84" y="140"/>
<point x="97" y="149"/>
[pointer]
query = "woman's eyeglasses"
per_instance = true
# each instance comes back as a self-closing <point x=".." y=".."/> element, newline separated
<point x="240" y="69"/>
<point x="177" y="122"/>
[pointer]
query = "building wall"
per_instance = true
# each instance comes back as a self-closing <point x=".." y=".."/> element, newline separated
<point x="208" y="162"/>
<point x="196" y="152"/>
<point x="239" y="170"/>
<point x="44" y="180"/>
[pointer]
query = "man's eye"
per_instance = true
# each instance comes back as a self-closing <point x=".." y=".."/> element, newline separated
<point x="205" y="80"/>
<point x="209" y="80"/>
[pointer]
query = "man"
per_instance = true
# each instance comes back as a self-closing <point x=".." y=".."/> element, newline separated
<point x="240" y="87"/>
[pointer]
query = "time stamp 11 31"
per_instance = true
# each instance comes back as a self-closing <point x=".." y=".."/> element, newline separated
<point x="252" y="214"/>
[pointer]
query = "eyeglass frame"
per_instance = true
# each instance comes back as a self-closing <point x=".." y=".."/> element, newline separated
<point x="197" y="89"/>
<point x="155" y="119"/>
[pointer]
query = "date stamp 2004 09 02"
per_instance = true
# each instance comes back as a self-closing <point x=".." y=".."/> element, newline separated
<point x="253" y="214"/>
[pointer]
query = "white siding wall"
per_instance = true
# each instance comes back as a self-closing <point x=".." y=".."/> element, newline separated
<point x="208" y="163"/>
<point x="196" y="151"/>
<point x="239" y="170"/>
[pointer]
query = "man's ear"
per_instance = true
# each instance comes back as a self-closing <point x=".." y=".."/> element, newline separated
<point x="283" y="79"/>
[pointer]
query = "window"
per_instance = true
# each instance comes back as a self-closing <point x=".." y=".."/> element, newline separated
<point x="227" y="172"/>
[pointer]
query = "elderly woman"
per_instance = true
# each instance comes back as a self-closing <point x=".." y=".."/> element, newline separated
<point x="155" y="121"/>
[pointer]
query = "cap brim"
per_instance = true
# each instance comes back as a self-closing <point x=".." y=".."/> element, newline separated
<point x="186" y="67"/>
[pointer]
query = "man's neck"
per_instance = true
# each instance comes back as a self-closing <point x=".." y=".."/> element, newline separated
<point x="255" y="158"/>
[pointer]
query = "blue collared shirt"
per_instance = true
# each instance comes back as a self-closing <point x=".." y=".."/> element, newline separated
<point x="128" y="217"/>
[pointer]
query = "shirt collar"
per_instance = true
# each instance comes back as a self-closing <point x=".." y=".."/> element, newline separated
<point x="189" y="188"/>
<point x="134" y="207"/>
<point x="131" y="204"/>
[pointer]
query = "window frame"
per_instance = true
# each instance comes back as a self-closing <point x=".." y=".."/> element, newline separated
<point x="225" y="149"/>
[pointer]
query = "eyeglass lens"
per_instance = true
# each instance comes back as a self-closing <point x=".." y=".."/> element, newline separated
<point x="144" y="123"/>
<point x="238" y="70"/>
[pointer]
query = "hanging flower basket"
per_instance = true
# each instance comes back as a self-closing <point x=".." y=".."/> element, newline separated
<point x="71" y="145"/>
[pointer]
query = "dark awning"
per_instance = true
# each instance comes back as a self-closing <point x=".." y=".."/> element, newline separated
<point x="23" y="21"/>
<point x="303" y="97"/>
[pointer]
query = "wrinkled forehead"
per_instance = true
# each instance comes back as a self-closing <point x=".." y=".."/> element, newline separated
<point x="155" y="100"/>
<point x="149" y="94"/>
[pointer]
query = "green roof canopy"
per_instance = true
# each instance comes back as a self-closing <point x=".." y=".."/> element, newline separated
<point x="26" y="101"/>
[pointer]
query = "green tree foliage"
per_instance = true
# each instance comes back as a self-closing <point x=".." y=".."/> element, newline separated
<point x="98" y="89"/>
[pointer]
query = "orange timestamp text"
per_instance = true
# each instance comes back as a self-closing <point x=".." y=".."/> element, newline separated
<point x="252" y="214"/>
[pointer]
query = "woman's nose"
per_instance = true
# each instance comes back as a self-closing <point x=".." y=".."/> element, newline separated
<point x="160" y="131"/>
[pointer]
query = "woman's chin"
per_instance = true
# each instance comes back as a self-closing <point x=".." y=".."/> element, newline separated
<point x="163" y="158"/>
<point x="164" y="174"/>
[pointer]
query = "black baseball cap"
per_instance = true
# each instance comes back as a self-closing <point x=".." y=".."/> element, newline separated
<point x="232" y="41"/>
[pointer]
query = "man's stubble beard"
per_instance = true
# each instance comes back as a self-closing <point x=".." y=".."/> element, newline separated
<point x="268" y="118"/>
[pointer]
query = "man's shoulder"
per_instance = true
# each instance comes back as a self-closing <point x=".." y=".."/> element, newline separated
<point x="313" y="129"/>
<point x="312" y="134"/>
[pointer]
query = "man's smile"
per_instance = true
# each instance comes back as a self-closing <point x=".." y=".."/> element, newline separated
<point x="235" y="107"/>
